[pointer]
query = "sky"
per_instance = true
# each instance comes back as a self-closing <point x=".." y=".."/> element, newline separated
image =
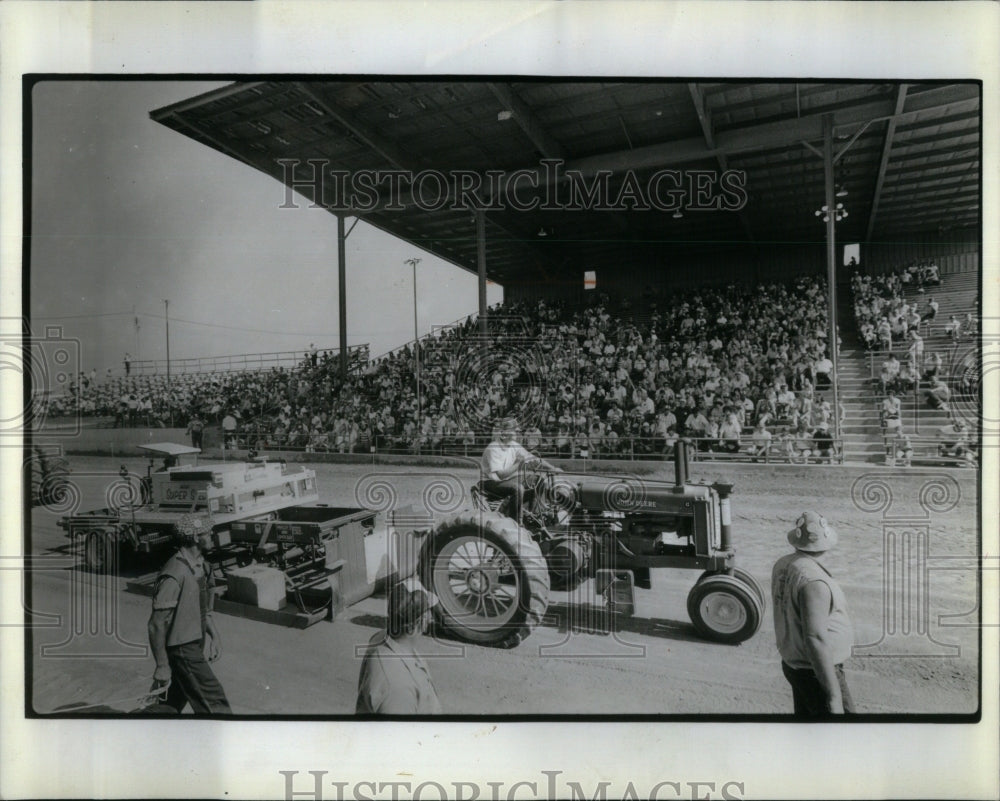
<point x="127" y="213"/>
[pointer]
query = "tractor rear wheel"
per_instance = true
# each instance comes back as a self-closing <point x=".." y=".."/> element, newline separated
<point x="724" y="608"/>
<point x="97" y="551"/>
<point x="490" y="578"/>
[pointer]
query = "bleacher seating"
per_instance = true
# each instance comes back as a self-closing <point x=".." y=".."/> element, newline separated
<point x="606" y="379"/>
<point x="955" y="360"/>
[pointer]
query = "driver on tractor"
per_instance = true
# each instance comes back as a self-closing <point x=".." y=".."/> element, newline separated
<point x="502" y="465"/>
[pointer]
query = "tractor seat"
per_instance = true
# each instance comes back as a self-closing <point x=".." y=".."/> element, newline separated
<point x="485" y="498"/>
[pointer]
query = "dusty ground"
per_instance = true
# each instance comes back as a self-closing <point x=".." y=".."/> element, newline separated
<point x="653" y="664"/>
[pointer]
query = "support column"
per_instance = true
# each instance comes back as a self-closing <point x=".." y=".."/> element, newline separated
<point x="342" y="292"/>
<point x="481" y="264"/>
<point x="831" y="265"/>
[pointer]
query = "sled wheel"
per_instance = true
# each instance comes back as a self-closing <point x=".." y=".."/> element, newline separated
<point x="490" y="578"/>
<point x="750" y="581"/>
<point x="724" y="608"/>
<point x="97" y="552"/>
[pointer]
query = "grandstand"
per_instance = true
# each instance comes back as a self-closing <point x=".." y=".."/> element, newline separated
<point x="719" y="304"/>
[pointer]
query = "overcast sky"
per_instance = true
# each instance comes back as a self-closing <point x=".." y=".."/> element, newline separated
<point x="126" y="213"/>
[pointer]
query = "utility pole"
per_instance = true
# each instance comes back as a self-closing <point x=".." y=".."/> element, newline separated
<point x="170" y="401"/>
<point x="135" y="325"/>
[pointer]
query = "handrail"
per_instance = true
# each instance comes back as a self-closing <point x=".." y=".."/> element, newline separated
<point x="435" y="330"/>
<point x="243" y="362"/>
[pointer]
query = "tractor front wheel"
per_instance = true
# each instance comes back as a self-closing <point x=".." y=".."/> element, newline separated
<point x="750" y="581"/>
<point x="490" y="579"/>
<point x="724" y="608"/>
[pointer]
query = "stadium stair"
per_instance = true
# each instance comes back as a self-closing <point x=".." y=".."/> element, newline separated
<point x="862" y="431"/>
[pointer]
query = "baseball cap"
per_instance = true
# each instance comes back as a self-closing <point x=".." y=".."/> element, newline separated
<point x="812" y="534"/>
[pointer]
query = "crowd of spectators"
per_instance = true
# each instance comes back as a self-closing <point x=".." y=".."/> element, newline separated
<point x="884" y="317"/>
<point x="888" y="322"/>
<point x="731" y="368"/>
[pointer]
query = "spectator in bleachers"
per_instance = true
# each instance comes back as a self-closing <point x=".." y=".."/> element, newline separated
<point x="906" y="379"/>
<point x="889" y="373"/>
<point x="801" y="443"/>
<point x="892" y="414"/>
<point x="932" y="366"/>
<point x="229" y="430"/>
<point x="785" y="402"/>
<point x="932" y="311"/>
<point x="730" y="434"/>
<point x="953" y="328"/>
<point x="970" y="325"/>
<point x="822" y="369"/>
<point x="532" y="439"/>
<point x="868" y="335"/>
<point x="938" y="395"/>
<point x="953" y="440"/>
<point x="884" y="333"/>
<point x="931" y="275"/>
<point x="823" y="445"/>
<point x="915" y="353"/>
<point x="760" y="441"/>
<point x="903" y="451"/>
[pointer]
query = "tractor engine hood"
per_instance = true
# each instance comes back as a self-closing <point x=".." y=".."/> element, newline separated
<point x="632" y="494"/>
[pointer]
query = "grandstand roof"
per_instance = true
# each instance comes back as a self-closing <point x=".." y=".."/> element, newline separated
<point x="913" y="162"/>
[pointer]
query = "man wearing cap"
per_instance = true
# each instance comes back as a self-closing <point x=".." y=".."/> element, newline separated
<point x="502" y="462"/>
<point x="811" y="625"/>
<point x="394" y="678"/>
<point x="181" y="625"/>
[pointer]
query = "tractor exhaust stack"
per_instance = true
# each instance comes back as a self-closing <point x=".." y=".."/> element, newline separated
<point x="680" y="463"/>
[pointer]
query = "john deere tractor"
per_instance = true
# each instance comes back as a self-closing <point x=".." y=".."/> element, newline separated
<point x="493" y="576"/>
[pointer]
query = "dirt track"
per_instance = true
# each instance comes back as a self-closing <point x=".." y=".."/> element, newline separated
<point x="653" y="664"/>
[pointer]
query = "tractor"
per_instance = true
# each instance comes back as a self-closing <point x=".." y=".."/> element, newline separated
<point x="492" y="577"/>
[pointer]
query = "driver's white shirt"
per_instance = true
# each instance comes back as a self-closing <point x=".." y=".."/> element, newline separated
<point x="500" y="458"/>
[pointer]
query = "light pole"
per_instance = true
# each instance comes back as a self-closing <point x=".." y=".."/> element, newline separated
<point x="416" y="348"/>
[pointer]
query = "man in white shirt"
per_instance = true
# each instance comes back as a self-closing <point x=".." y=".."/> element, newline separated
<point x="761" y="440"/>
<point x="822" y="368"/>
<point x="502" y="464"/>
<point x="891" y="408"/>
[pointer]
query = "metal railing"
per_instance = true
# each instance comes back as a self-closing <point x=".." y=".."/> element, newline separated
<point x="925" y="449"/>
<point x="358" y="356"/>
<point x="625" y="448"/>
<point x="878" y="356"/>
<point x="435" y="332"/>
